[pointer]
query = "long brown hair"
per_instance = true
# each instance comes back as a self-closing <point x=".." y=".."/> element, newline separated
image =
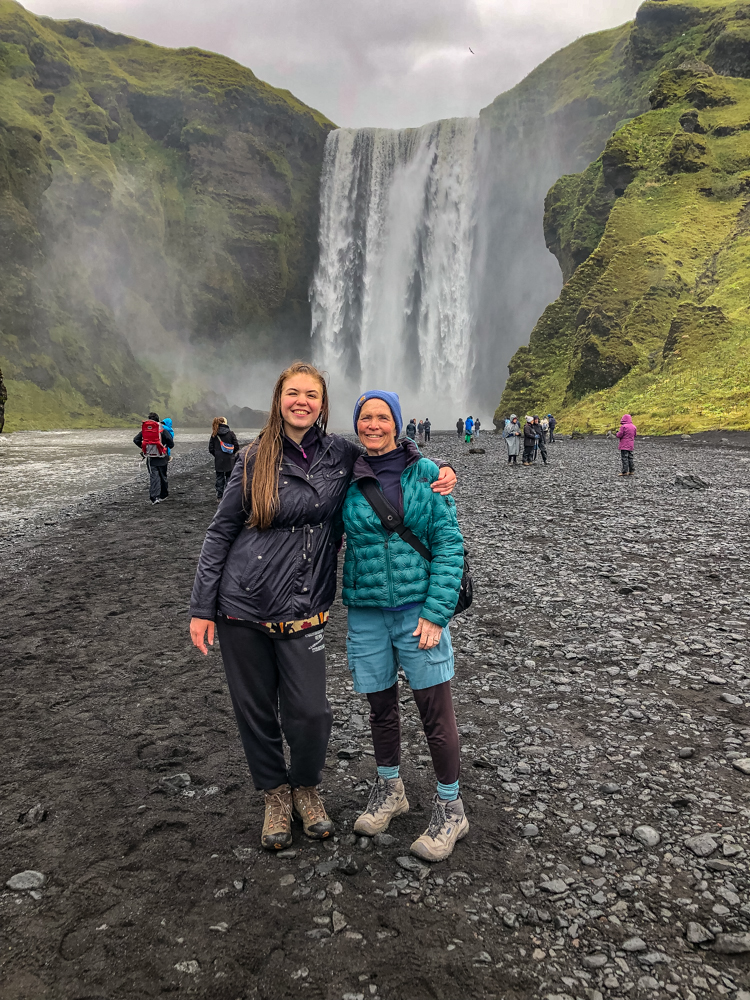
<point x="218" y="421"/>
<point x="266" y="450"/>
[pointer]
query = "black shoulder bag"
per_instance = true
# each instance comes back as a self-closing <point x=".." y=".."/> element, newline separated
<point x="392" y="521"/>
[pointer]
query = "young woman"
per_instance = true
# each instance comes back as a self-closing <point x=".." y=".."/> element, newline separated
<point x="223" y="445"/>
<point x="266" y="579"/>
<point x="399" y="606"/>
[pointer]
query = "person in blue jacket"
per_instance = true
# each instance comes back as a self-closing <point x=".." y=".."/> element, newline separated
<point x="399" y="606"/>
<point x="469" y="429"/>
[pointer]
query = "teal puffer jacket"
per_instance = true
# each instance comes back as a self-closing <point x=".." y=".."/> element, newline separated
<point x="383" y="571"/>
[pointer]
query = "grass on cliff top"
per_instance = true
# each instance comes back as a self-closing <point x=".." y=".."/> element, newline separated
<point x="60" y="408"/>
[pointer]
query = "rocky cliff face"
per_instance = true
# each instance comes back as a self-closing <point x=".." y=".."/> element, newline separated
<point x="151" y="201"/>
<point x="651" y="239"/>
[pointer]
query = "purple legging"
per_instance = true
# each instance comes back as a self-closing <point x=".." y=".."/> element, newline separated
<point x="438" y="721"/>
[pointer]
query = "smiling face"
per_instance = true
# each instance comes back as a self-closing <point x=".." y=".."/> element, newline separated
<point x="376" y="427"/>
<point x="301" y="401"/>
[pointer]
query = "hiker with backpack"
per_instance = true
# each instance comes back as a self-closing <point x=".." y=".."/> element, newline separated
<point x="265" y="581"/>
<point x="155" y="442"/>
<point x="223" y="445"/>
<point x="401" y="588"/>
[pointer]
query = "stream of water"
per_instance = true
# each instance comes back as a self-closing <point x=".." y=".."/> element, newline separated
<point x="44" y="471"/>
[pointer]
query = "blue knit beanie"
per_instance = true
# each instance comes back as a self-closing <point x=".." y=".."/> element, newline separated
<point x="391" y="398"/>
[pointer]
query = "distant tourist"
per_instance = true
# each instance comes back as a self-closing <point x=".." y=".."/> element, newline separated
<point x="155" y="442"/>
<point x="460" y="427"/>
<point x="552" y="424"/>
<point x="427" y="426"/>
<point x="539" y="445"/>
<point x="265" y="581"/>
<point x="469" y="430"/>
<point x="529" y="441"/>
<point x="411" y="429"/>
<point x="223" y="445"/>
<point x="420" y="432"/>
<point x="477" y="427"/>
<point x="545" y="428"/>
<point x="627" y="434"/>
<point x="512" y="434"/>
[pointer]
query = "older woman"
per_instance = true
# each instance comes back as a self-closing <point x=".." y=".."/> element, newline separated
<point x="513" y="434"/>
<point x="399" y="606"/>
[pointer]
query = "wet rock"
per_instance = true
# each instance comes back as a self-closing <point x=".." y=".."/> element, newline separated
<point x="37" y="814"/>
<point x="609" y="788"/>
<point x="417" y="868"/>
<point x="174" y="783"/>
<point x="647" y="836"/>
<point x="339" y="921"/>
<point x="287" y="880"/>
<point x="318" y="933"/>
<point x="530" y="830"/>
<point x="742" y="765"/>
<point x="190" y="967"/>
<point x="29" y="879"/>
<point x="595" y="961"/>
<point x="554" y="886"/>
<point x="732" y="944"/>
<point x="686" y="752"/>
<point x="689" y="481"/>
<point x="383" y="840"/>
<point x="731" y="699"/>
<point x="702" y="846"/>
<point x="348" y="866"/>
<point x="697" y="934"/>
<point x="634" y="944"/>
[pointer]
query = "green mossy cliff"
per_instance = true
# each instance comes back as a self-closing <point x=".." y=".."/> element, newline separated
<point x="157" y="207"/>
<point x="653" y="239"/>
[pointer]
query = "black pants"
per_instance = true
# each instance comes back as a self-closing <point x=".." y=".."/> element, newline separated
<point x="426" y="436"/>
<point x="278" y="686"/>
<point x="551" y="436"/>
<point x="222" y="478"/>
<point x="158" y="484"/>
<point x="512" y="459"/>
<point x="628" y="465"/>
<point x="543" y="451"/>
<point x="435" y="706"/>
<point x="528" y="454"/>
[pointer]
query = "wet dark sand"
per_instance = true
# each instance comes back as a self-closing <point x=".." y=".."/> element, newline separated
<point x="609" y="631"/>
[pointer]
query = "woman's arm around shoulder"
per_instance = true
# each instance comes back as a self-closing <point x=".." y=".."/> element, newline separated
<point x="446" y="543"/>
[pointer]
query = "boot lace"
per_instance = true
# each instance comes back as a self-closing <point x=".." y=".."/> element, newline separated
<point x="279" y="808"/>
<point x="309" y="800"/>
<point x="378" y="795"/>
<point x="437" y="820"/>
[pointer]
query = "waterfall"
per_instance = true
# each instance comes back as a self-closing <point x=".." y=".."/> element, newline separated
<point x="391" y="296"/>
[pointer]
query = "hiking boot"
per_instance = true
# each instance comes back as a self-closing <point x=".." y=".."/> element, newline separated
<point x="387" y="800"/>
<point x="308" y="806"/>
<point x="277" y="823"/>
<point x="153" y="502"/>
<point x="448" y="824"/>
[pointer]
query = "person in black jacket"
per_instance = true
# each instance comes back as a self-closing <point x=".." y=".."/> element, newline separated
<point x="529" y="441"/>
<point x="223" y="445"/>
<point x="266" y="580"/>
<point x="158" y="482"/>
<point x="552" y="424"/>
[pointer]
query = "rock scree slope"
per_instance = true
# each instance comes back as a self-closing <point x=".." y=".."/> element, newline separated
<point x="602" y="694"/>
<point x="151" y="201"/>
<point x="652" y="237"/>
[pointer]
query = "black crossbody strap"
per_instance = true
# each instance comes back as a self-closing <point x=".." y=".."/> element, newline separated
<point x="390" y="517"/>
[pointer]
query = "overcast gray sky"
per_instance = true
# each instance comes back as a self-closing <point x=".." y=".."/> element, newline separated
<point x="391" y="63"/>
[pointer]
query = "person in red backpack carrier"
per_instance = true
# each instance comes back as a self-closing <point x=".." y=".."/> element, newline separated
<point x="154" y="440"/>
<point x="223" y="445"/>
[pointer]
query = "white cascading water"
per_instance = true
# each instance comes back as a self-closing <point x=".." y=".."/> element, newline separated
<point x="391" y="297"/>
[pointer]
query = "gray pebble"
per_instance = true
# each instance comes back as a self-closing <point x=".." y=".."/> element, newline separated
<point x="702" y="845"/>
<point x="26" y="880"/>
<point x="647" y="836"/>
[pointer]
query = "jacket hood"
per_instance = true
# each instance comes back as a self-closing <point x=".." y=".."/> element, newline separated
<point x="167" y="421"/>
<point x="224" y="430"/>
<point x="627" y="419"/>
<point x="362" y="469"/>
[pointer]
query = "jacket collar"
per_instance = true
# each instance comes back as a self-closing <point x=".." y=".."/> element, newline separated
<point x="362" y="469"/>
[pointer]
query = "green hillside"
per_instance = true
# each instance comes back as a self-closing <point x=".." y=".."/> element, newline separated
<point x="150" y="200"/>
<point x="652" y="237"/>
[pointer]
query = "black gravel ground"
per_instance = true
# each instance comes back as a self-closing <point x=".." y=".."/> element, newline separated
<point x="602" y="695"/>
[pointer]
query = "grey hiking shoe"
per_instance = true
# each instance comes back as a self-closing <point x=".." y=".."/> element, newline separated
<point x="387" y="799"/>
<point x="448" y="824"/>
<point x="277" y="822"/>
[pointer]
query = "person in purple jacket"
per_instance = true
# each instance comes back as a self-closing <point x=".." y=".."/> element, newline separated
<point x="626" y="434"/>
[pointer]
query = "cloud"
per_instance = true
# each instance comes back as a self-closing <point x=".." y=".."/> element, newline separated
<point x="385" y="63"/>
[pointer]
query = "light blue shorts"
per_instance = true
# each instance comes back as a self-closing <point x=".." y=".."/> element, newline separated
<point x="379" y="641"/>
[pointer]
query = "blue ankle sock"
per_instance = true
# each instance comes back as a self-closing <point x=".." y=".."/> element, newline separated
<point x="447" y="793"/>
<point x="387" y="773"/>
